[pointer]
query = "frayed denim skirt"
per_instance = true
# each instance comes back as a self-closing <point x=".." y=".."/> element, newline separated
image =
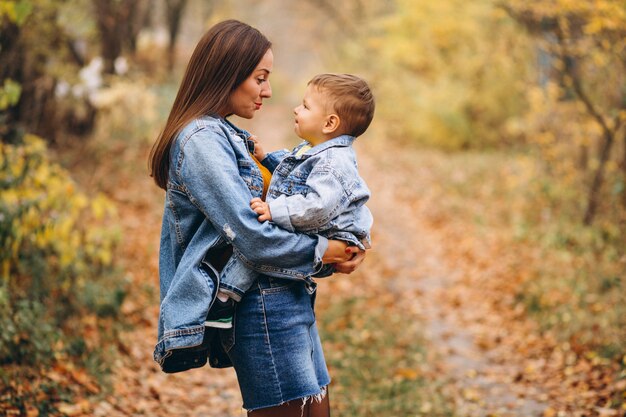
<point x="274" y="344"/>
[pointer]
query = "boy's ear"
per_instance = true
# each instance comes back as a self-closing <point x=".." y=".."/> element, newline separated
<point x="331" y="124"/>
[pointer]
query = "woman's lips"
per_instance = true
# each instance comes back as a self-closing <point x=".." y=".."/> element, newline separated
<point x="258" y="105"/>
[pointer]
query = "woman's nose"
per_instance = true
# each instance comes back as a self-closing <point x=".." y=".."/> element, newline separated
<point x="266" y="92"/>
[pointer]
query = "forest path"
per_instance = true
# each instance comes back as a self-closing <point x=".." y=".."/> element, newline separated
<point x="433" y="289"/>
<point x="411" y="255"/>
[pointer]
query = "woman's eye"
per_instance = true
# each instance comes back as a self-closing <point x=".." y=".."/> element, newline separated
<point x="260" y="80"/>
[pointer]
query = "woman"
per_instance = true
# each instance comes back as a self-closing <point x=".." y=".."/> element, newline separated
<point x="205" y="165"/>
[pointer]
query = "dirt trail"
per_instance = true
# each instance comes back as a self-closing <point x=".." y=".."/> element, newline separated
<point x="480" y="381"/>
<point x="421" y="278"/>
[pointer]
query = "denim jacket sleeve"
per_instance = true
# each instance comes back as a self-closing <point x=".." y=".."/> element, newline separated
<point x="325" y="199"/>
<point x="207" y="169"/>
<point x="272" y="159"/>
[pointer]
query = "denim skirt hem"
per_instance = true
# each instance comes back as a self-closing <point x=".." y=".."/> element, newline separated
<point x="275" y="347"/>
<point x="317" y="396"/>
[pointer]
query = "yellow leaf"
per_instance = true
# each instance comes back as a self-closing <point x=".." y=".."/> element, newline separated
<point x="407" y="373"/>
<point x="549" y="412"/>
<point x="471" y="394"/>
<point x="32" y="412"/>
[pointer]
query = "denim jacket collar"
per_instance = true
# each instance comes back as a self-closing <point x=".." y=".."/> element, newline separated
<point x="239" y="131"/>
<point x="223" y="120"/>
<point x="339" y="141"/>
<point x="244" y="134"/>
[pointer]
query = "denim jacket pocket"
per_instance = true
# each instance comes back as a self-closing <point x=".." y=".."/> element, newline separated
<point x="293" y="185"/>
<point x="246" y="173"/>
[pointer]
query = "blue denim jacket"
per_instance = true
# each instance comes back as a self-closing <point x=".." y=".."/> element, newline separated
<point x="212" y="179"/>
<point x="321" y="191"/>
<point x="318" y="192"/>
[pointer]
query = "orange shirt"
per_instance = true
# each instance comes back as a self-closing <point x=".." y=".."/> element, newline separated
<point x="266" y="174"/>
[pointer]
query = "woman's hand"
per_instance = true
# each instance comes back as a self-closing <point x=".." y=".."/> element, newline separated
<point x="348" y="267"/>
<point x="346" y="258"/>
<point x="337" y="252"/>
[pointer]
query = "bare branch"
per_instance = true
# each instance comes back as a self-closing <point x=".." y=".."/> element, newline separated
<point x="578" y="88"/>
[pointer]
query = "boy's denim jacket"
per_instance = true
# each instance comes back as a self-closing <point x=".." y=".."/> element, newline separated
<point x="318" y="192"/>
<point x="212" y="179"/>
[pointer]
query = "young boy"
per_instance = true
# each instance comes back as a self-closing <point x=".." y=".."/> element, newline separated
<point x="316" y="188"/>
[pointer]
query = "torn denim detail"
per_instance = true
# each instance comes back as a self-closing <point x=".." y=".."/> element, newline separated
<point x="318" y="398"/>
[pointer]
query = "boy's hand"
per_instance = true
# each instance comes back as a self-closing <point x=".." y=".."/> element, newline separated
<point x="261" y="208"/>
<point x="259" y="153"/>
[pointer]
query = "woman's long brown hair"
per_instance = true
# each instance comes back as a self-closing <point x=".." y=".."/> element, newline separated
<point x="223" y="59"/>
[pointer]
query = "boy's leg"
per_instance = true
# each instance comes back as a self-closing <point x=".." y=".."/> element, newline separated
<point x="235" y="280"/>
<point x="221" y="314"/>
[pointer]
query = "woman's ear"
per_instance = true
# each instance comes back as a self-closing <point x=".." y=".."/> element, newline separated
<point x="331" y="124"/>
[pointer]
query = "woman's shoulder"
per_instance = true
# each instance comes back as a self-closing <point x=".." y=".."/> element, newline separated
<point x="201" y="130"/>
<point x="205" y="124"/>
<point x="208" y="136"/>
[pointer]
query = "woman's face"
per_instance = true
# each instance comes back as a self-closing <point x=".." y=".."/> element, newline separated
<point x="248" y="97"/>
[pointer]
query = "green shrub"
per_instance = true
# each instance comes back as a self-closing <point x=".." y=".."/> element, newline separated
<point x="58" y="280"/>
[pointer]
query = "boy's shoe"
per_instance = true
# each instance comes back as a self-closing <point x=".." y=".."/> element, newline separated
<point x="221" y="314"/>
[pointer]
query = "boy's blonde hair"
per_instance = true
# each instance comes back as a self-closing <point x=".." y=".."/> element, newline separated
<point x="351" y="98"/>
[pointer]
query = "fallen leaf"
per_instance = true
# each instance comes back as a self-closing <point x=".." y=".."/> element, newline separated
<point x="606" y="412"/>
<point x="407" y="373"/>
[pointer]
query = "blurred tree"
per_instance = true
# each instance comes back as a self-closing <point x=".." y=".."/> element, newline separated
<point x="33" y="51"/>
<point x="174" y="13"/>
<point x="451" y="74"/>
<point x="119" y="23"/>
<point x="140" y="19"/>
<point x="344" y="14"/>
<point x="46" y="47"/>
<point x="588" y="40"/>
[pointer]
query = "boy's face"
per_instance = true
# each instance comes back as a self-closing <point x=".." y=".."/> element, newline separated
<point x="311" y="116"/>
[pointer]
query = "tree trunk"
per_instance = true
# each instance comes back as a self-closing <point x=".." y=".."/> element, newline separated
<point x="624" y="169"/>
<point x="583" y="160"/>
<point x="598" y="178"/>
<point x="174" y="13"/>
<point x="109" y="22"/>
<point x="119" y="23"/>
<point x="12" y="58"/>
<point x="36" y="110"/>
<point x="138" y="18"/>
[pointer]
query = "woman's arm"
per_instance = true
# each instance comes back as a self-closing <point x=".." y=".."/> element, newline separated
<point x="208" y="171"/>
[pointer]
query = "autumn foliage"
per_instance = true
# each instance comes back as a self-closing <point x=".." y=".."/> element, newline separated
<point x="59" y="286"/>
<point x="497" y="160"/>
